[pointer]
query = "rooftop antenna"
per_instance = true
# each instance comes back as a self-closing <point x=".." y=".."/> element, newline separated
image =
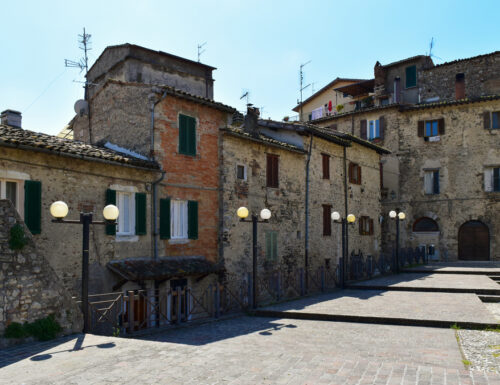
<point x="261" y="113"/>
<point x="200" y="50"/>
<point x="302" y="88"/>
<point x="431" y="45"/>
<point x="247" y="96"/>
<point x="312" y="88"/>
<point x="83" y="63"/>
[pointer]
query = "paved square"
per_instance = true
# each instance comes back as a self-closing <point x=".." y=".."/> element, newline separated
<point x="451" y="307"/>
<point x="248" y="350"/>
<point x="466" y="267"/>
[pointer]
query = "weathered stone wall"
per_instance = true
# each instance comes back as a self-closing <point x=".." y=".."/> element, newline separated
<point x="82" y="185"/>
<point x="482" y="77"/>
<point x="29" y="287"/>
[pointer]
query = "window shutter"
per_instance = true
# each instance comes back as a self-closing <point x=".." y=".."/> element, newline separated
<point x="327" y="224"/>
<point x="371" y="226"/>
<point x="192" y="220"/>
<point x="361" y="222"/>
<point x="351" y="176"/>
<point x="362" y="129"/>
<point x="441" y="126"/>
<point x="33" y="206"/>
<point x="140" y="214"/>
<point x="496" y="179"/>
<point x="359" y="174"/>
<point x="110" y="200"/>
<point x="487" y="120"/>
<point x="421" y="128"/>
<point x="164" y="218"/>
<point x="191" y="136"/>
<point x="436" y="182"/>
<point x="276" y="171"/>
<point x="326" y="166"/>
<point x="488" y="180"/>
<point x="381" y="127"/>
<point x="183" y="134"/>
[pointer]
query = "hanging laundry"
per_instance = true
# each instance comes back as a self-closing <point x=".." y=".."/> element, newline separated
<point x="317" y="113"/>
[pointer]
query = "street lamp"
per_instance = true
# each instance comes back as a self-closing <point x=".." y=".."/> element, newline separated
<point x="265" y="214"/>
<point x="350" y="219"/>
<point x="59" y="210"/>
<point x="398" y="216"/>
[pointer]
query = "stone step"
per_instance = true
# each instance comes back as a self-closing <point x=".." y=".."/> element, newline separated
<point x="489" y="298"/>
<point x="493" y="292"/>
<point x="494" y="277"/>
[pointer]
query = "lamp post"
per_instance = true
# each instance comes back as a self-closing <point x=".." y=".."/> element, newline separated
<point x="265" y="214"/>
<point x="350" y="219"/>
<point x="59" y="210"/>
<point x="398" y="216"/>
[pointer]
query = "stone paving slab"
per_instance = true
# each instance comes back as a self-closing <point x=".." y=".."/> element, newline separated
<point x="479" y="284"/>
<point x="465" y="267"/>
<point x="250" y="350"/>
<point x="460" y="308"/>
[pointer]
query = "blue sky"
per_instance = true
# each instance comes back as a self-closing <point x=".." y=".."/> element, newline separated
<point x="256" y="46"/>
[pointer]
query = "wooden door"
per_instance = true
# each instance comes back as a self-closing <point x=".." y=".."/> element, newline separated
<point x="474" y="242"/>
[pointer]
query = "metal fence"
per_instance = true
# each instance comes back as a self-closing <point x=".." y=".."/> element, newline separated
<point x="130" y="312"/>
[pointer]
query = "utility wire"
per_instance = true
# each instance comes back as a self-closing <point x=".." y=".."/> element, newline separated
<point x="45" y="90"/>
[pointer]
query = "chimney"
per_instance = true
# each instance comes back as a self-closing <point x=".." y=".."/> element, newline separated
<point x="460" y="86"/>
<point x="11" y="118"/>
<point x="251" y="121"/>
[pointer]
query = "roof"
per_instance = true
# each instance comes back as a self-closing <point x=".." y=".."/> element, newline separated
<point x="410" y="59"/>
<point x="331" y="84"/>
<point x="445" y="103"/>
<point x="356" y="112"/>
<point x="166" y="54"/>
<point x="35" y="141"/>
<point x="261" y="138"/>
<point x="163" y="89"/>
<point x="141" y="269"/>
<point x="360" y="88"/>
<point x="366" y="143"/>
<point x="466" y="59"/>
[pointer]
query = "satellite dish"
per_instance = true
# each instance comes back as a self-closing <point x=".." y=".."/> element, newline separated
<point x="81" y="107"/>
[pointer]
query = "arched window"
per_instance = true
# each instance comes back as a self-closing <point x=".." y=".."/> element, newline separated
<point x="425" y="224"/>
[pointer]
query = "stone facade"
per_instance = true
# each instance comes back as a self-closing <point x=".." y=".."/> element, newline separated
<point x="29" y="287"/>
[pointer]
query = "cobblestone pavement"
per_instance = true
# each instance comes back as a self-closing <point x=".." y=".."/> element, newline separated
<point x="481" y="349"/>
<point x="248" y="350"/>
<point x="433" y="281"/>
<point x="452" y="307"/>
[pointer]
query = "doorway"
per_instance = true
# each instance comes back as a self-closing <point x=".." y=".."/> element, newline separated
<point x="474" y="242"/>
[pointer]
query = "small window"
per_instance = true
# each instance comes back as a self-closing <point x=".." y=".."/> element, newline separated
<point x="272" y="245"/>
<point x="425" y="224"/>
<point x="126" y="219"/>
<point x="241" y="172"/>
<point x="178" y="219"/>
<point x="187" y="135"/>
<point x="272" y="171"/>
<point x="327" y="221"/>
<point x="365" y="226"/>
<point x="326" y="165"/>
<point x="492" y="179"/>
<point x="431" y="182"/>
<point x="310" y="117"/>
<point x="491" y="120"/>
<point x="9" y="189"/>
<point x="411" y="76"/>
<point x="354" y="173"/>
<point x="431" y="128"/>
<point x="373" y="129"/>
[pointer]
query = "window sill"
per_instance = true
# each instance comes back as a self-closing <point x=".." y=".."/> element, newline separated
<point x="178" y="241"/>
<point x="126" y="238"/>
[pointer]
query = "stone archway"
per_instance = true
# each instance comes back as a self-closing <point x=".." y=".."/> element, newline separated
<point x="474" y="241"/>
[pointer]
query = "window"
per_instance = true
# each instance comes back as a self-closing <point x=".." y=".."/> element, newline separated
<point x="425" y="224"/>
<point x="431" y="182"/>
<point x="272" y="170"/>
<point x="491" y="120"/>
<point x="373" y="129"/>
<point x="354" y="173"/>
<point x="459" y="86"/>
<point x="187" y="135"/>
<point x="326" y="165"/>
<point x="327" y="221"/>
<point x="179" y="219"/>
<point x="272" y="245"/>
<point x="241" y="172"/>
<point x="345" y="95"/>
<point x="365" y="226"/>
<point x="9" y="189"/>
<point x="310" y="117"/>
<point x="126" y="219"/>
<point x="431" y="128"/>
<point x="411" y="76"/>
<point x="492" y="179"/>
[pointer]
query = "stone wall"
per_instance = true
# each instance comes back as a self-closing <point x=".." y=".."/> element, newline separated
<point x="482" y="77"/>
<point x="29" y="287"/>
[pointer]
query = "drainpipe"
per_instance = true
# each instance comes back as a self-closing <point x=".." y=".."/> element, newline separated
<point x="306" y="254"/>
<point x="346" y="209"/>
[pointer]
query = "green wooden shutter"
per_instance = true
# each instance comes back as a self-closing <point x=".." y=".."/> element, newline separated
<point x="496" y="179"/>
<point x="411" y="76"/>
<point x="436" y="182"/>
<point x="191" y="139"/>
<point x="140" y="214"/>
<point x="164" y="218"/>
<point x="33" y="206"/>
<point x="183" y="134"/>
<point x="187" y="135"/>
<point x="110" y="200"/>
<point x="192" y="220"/>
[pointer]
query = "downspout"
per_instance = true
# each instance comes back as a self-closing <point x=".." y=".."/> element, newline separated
<point x="154" y="205"/>
<point x="306" y="253"/>
<point x="346" y="209"/>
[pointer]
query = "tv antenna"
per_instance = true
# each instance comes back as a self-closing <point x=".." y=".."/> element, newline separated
<point x="302" y="88"/>
<point x="246" y="95"/>
<point x="83" y="63"/>
<point x="431" y="46"/>
<point x="200" y="50"/>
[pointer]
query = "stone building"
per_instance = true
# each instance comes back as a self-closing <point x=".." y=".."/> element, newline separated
<point x="281" y="166"/>
<point x="441" y="129"/>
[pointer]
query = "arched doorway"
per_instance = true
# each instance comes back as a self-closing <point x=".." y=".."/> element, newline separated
<point x="474" y="241"/>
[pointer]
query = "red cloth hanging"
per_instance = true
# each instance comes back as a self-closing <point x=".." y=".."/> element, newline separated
<point x="330" y="106"/>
